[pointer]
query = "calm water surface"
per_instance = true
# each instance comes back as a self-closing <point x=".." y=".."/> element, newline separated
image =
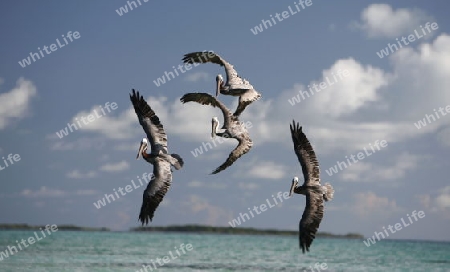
<point x="124" y="251"/>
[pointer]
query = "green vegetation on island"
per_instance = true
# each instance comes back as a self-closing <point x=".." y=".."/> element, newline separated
<point x="246" y="231"/>
<point x="60" y="227"/>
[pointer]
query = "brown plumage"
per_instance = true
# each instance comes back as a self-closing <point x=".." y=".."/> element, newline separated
<point x="315" y="193"/>
<point x="234" y="85"/>
<point x="233" y="127"/>
<point x="159" y="157"/>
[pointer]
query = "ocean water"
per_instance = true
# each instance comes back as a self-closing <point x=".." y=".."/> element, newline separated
<point x="130" y="251"/>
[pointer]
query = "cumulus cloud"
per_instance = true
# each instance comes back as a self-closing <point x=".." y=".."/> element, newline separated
<point x="263" y="170"/>
<point x="367" y="105"/>
<point x="214" y="215"/>
<point x="115" y="167"/>
<point x="369" y="204"/>
<point x="438" y="202"/>
<point x="209" y="184"/>
<point x="43" y="192"/>
<point x="197" y="76"/>
<point x="393" y="169"/>
<point x="382" y="21"/>
<point x="15" y="104"/>
<point x="76" y="174"/>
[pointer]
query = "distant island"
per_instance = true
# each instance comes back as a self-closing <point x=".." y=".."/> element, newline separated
<point x="60" y="227"/>
<point x="246" y="231"/>
<point x="189" y="229"/>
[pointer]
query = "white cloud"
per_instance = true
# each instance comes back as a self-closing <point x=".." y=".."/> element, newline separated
<point x="120" y="127"/>
<point x="439" y="203"/>
<point x="381" y="21"/>
<point x="76" y="174"/>
<point x="14" y="105"/>
<point x="115" y="167"/>
<point x="215" y="215"/>
<point x="370" y="205"/>
<point x="263" y="170"/>
<point x="392" y="170"/>
<point x="248" y="186"/>
<point x="43" y="192"/>
<point x="197" y="76"/>
<point x="82" y="143"/>
<point x="369" y="104"/>
<point x="209" y="184"/>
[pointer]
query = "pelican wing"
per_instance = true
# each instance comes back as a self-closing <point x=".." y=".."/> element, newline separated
<point x="305" y="155"/>
<point x="233" y="79"/>
<point x="156" y="190"/>
<point x="150" y="123"/>
<point x="311" y="218"/>
<point x="207" y="99"/>
<point x="244" y="146"/>
<point x="246" y="99"/>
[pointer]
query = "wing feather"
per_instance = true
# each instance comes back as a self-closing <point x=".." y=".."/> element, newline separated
<point x="156" y="190"/>
<point x="311" y="218"/>
<point x="150" y="123"/>
<point x="244" y="146"/>
<point x="207" y="99"/>
<point x="233" y="79"/>
<point x="306" y="155"/>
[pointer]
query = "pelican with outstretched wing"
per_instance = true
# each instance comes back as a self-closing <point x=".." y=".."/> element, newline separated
<point x="235" y="85"/>
<point x="315" y="193"/>
<point x="158" y="156"/>
<point x="232" y="127"/>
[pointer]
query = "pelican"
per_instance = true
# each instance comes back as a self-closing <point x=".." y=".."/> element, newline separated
<point x="235" y="85"/>
<point x="232" y="127"/>
<point x="311" y="188"/>
<point x="159" y="157"/>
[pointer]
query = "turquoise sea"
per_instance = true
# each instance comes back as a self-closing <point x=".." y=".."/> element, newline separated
<point x="129" y="251"/>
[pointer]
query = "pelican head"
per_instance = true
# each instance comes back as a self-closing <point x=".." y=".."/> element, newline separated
<point x="293" y="186"/>
<point x="142" y="147"/>
<point x="219" y="81"/>
<point x="215" y="125"/>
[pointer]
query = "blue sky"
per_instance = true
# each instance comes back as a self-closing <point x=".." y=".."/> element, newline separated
<point x="57" y="180"/>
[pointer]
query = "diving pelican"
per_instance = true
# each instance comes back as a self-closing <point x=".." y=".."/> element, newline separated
<point x="315" y="193"/>
<point x="232" y="127"/>
<point x="235" y="85"/>
<point x="159" y="157"/>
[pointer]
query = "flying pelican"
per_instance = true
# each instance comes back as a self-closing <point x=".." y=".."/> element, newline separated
<point x="159" y="157"/>
<point x="235" y="85"/>
<point x="232" y="127"/>
<point x="311" y="188"/>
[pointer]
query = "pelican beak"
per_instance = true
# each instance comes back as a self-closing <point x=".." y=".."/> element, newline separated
<point x="214" y="128"/>
<point x="219" y="82"/>
<point x="141" y="149"/>
<point x="294" y="184"/>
